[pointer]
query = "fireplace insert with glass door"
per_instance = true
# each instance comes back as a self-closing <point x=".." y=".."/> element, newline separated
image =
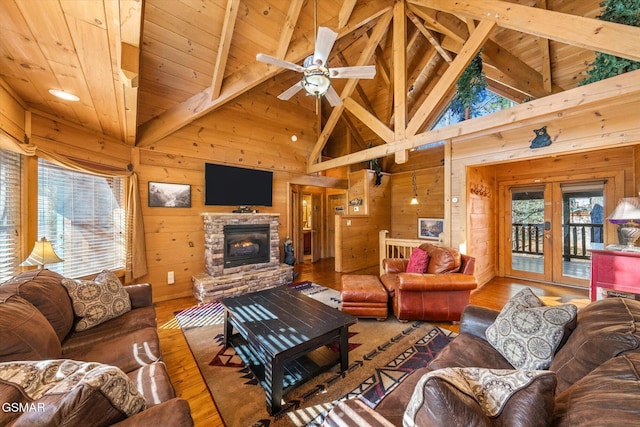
<point x="246" y="244"/>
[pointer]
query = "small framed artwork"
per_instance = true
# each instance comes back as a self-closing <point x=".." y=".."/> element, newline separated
<point x="164" y="195"/>
<point x="430" y="228"/>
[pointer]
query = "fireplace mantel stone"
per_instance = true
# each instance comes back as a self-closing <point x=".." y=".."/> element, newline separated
<point x="220" y="282"/>
<point x="214" y="241"/>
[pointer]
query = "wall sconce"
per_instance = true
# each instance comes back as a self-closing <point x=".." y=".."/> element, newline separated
<point x="414" y="200"/>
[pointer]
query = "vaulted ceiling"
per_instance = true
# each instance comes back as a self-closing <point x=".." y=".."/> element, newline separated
<point x="143" y="69"/>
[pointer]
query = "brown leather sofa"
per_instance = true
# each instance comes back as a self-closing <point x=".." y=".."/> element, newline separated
<point x="36" y="323"/>
<point x="597" y="372"/>
<point x="439" y="294"/>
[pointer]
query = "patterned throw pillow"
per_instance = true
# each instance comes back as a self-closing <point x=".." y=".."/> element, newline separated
<point x="418" y="261"/>
<point x="98" y="300"/>
<point x="527" y="333"/>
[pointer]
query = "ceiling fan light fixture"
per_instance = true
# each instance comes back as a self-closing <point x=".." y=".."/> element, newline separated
<point x="316" y="81"/>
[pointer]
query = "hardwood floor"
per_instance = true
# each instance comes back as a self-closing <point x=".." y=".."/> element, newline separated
<point x="185" y="374"/>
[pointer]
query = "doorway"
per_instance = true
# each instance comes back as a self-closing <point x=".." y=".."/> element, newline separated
<point x="551" y="229"/>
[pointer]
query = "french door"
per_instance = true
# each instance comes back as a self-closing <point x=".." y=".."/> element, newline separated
<point x="551" y="227"/>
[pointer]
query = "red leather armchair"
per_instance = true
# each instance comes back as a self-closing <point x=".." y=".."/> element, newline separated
<point x="439" y="294"/>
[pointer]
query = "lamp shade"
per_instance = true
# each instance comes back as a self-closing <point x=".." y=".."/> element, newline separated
<point x="628" y="210"/>
<point x="42" y="254"/>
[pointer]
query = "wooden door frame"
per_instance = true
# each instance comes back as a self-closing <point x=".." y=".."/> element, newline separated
<point x="613" y="191"/>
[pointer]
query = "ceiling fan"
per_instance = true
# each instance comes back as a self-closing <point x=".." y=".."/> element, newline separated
<point x="316" y="78"/>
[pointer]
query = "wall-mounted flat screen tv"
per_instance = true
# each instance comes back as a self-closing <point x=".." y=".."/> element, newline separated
<point x="234" y="186"/>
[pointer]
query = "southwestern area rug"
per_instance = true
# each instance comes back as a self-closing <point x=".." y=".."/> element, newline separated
<point x="381" y="355"/>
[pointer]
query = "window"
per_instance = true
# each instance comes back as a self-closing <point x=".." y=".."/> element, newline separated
<point x="83" y="216"/>
<point x="10" y="166"/>
<point x="488" y="102"/>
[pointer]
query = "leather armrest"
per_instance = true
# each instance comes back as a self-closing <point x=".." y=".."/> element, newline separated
<point x="416" y="282"/>
<point x="475" y="320"/>
<point x="395" y="265"/>
<point x="174" y="412"/>
<point x="140" y="295"/>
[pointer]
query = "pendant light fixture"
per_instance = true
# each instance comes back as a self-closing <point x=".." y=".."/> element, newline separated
<point x="414" y="200"/>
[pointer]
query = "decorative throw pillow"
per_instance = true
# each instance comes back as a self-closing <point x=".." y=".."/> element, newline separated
<point x="70" y="390"/>
<point x="480" y="397"/>
<point x="418" y="261"/>
<point x="98" y="300"/>
<point x="527" y="333"/>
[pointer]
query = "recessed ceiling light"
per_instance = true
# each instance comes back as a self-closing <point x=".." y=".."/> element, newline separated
<point x="64" y="95"/>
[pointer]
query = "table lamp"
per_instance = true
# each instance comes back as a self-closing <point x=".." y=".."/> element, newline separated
<point x="627" y="216"/>
<point x="42" y="254"/>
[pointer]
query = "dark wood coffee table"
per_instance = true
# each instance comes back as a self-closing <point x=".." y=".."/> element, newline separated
<point x="277" y="330"/>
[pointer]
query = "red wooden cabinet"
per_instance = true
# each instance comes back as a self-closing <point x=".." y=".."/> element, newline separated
<point x="615" y="271"/>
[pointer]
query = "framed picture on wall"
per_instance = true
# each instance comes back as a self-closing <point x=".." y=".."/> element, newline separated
<point x="164" y="195"/>
<point x="430" y="228"/>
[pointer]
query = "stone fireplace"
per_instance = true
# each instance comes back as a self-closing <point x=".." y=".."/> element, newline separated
<point x="242" y="254"/>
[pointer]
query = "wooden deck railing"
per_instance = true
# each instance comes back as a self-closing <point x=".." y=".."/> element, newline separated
<point x="396" y="248"/>
<point x="529" y="239"/>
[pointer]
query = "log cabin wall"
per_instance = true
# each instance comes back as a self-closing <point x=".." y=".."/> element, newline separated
<point x="12" y="114"/>
<point x="253" y="132"/>
<point x="606" y="129"/>
<point x="430" y="190"/>
<point x="357" y="244"/>
<point x="482" y="200"/>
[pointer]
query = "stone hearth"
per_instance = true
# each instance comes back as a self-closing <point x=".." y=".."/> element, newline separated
<point x="218" y="281"/>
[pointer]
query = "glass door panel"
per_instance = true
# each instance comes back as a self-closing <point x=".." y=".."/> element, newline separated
<point x="528" y="229"/>
<point x="582" y="230"/>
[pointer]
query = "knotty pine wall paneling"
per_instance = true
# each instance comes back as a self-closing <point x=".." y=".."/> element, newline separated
<point x="252" y="132"/>
<point x="12" y="114"/>
<point x="591" y="140"/>
<point x="430" y="190"/>
<point x="482" y="200"/>
<point x="357" y="235"/>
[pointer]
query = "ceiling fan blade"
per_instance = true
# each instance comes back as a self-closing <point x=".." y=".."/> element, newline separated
<point x="361" y="72"/>
<point x="287" y="94"/>
<point x="324" y="43"/>
<point x="268" y="59"/>
<point x="333" y="97"/>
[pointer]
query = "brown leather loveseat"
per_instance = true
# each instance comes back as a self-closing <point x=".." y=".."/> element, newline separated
<point x="441" y="293"/>
<point x="593" y="378"/>
<point x="38" y="335"/>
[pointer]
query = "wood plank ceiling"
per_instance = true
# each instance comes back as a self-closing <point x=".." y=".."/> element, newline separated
<point x="145" y="69"/>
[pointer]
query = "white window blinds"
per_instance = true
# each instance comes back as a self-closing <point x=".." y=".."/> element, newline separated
<point x="10" y="165"/>
<point x="83" y="216"/>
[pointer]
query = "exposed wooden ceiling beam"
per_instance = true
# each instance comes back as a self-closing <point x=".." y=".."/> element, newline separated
<point x="345" y="12"/>
<point x="287" y="29"/>
<point x="582" y="98"/>
<point x="429" y="36"/>
<point x="449" y="79"/>
<point x="399" y="50"/>
<point x="129" y="15"/>
<point x="545" y="56"/>
<point x="587" y="33"/>
<point x="379" y="30"/>
<point x="443" y="23"/>
<point x="223" y="47"/>
<point x="247" y="78"/>
<point x="371" y="121"/>
<point x="524" y="77"/>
